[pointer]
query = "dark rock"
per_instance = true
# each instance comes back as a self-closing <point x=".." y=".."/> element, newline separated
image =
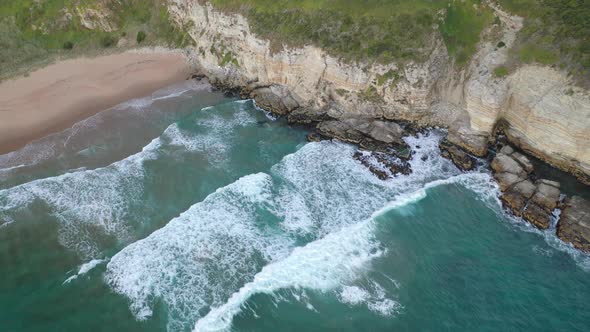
<point x="198" y="77"/>
<point x="382" y="131"/>
<point x="404" y="153"/>
<point x="458" y="156"/>
<point x="314" y="137"/>
<point x="514" y="201"/>
<point x="574" y="224"/>
<point x="340" y="130"/>
<point x="384" y="166"/>
<point x="538" y="216"/>
<point x="275" y="99"/>
<point x="305" y="115"/>
<point x="365" y="160"/>
<point x="517" y="196"/>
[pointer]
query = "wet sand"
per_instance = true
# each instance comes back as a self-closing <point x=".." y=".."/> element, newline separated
<point x="55" y="97"/>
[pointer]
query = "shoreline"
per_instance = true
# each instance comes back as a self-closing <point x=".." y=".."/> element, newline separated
<point x="543" y="203"/>
<point x="55" y="97"/>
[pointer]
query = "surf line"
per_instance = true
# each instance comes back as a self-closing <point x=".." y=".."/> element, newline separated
<point x="340" y="255"/>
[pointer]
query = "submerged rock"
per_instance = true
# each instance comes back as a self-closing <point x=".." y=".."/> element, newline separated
<point x="384" y="166"/>
<point x="314" y="137"/>
<point x="458" y="156"/>
<point x="574" y="224"/>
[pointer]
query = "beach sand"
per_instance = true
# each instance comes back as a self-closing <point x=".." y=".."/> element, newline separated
<point x="55" y="97"/>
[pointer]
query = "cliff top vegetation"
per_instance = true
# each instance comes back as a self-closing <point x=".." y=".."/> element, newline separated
<point x="556" y="32"/>
<point x="33" y="32"/>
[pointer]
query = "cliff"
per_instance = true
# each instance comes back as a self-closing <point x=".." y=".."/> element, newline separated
<point x="538" y="108"/>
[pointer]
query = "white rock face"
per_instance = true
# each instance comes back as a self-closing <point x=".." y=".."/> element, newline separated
<point x="535" y="103"/>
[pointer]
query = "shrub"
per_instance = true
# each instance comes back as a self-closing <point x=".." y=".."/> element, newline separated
<point x="501" y="71"/>
<point x="108" y="41"/>
<point x="140" y="37"/>
<point x="68" y="45"/>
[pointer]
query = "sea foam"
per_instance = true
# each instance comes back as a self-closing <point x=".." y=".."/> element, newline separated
<point x="314" y="193"/>
<point x="93" y="204"/>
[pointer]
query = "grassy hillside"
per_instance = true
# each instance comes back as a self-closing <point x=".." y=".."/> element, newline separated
<point x="556" y="32"/>
<point x="33" y="32"/>
<point x="384" y="31"/>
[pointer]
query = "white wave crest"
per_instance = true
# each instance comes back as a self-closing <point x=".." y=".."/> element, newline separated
<point x="85" y="268"/>
<point x="315" y="192"/>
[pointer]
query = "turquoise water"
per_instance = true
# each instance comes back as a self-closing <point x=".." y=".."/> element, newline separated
<point x="189" y="210"/>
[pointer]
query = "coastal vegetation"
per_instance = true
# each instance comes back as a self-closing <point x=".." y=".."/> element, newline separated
<point x="34" y="32"/>
<point x="556" y="32"/>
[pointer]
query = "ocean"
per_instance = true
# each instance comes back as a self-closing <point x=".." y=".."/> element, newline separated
<point x="190" y="210"/>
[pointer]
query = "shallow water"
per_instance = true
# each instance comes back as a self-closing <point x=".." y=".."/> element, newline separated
<point x="188" y="211"/>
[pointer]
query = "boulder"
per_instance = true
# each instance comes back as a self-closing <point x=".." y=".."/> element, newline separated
<point x="383" y="131"/>
<point x="507" y="150"/>
<point x="514" y="201"/>
<point x="574" y="224"/>
<point x="525" y="188"/>
<point x="523" y="161"/>
<point x="507" y="180"/>
<point x="518" y="195"/>
<point x="340" y="130"/>
<point x="458" y="156"/>
<point x="275" y="99"/>
<point x="537" y="216"/>
<point x="546" y="196"/>
<point x="550" y="183"/>
<point x="306" y="115"/>
<point x="506" y="164"/>
<point x="384" y="166"/>
<point x="314" y="137"/>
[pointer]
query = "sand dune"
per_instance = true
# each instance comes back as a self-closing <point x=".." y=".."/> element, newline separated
<point x="55" y="97"/>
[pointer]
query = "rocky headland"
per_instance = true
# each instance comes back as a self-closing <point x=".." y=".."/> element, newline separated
<point x="538" y="109"/>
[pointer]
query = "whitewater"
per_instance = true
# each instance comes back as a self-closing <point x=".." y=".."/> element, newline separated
<point x="199" y="212"/>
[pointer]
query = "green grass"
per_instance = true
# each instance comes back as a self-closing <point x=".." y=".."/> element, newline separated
<point x="35" y="31"/>
<point x="370" y="30"/>
<point x="462" y="27"/>
<point x="389" y="75"/>
<point x="501" y="71"/>
<point x="555" y="32"/>
<point x="373" y="30"/>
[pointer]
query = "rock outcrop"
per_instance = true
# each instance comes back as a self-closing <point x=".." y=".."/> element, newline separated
<point x="383" y="151"/>
<point x="534" y="201"/>
<point x="458" y="156"/>
<point x="542" y="112"/>
<point x="574" y="223"/>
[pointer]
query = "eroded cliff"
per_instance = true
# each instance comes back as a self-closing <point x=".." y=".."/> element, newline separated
<point x="538" y="108"/>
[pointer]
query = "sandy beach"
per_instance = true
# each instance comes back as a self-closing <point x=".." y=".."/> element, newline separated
<point x="55" y="97"/>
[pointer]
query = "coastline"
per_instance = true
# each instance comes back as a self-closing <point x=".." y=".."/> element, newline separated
<point x="55" y="97"/>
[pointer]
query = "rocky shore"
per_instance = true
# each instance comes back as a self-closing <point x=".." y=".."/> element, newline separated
<point x="384" y="152"/>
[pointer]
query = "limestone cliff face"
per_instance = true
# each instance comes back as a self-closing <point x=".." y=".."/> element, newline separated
<point x="540" y="111"/>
